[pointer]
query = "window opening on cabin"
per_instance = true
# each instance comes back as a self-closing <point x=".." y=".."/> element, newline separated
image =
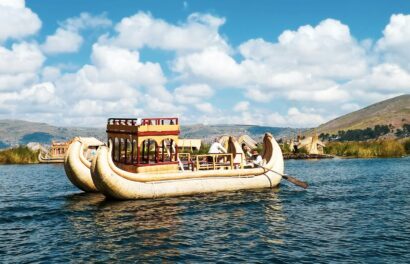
<point x="124" y="136"/>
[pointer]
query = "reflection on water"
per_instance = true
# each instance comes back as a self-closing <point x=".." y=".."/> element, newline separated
<point x="173" y="227"/>
<point x="353" y="211"/>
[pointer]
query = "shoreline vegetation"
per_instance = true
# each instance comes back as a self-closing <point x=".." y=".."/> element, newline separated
<point x="387" y="148"/>
<point x="18" y="155"/>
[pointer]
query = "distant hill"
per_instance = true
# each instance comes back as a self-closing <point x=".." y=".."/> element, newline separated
<point x="14" y="132"/>
<point x="208" y="132"/>
<point x="394" y="111"/>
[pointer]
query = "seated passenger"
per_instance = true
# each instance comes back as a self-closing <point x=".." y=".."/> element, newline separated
<point x="256" y="158"/>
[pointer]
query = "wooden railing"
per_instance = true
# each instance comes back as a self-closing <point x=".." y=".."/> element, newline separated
<point x="186" y="161"/>
<point x="213" y="161"/>
<point x="143" y="121"/>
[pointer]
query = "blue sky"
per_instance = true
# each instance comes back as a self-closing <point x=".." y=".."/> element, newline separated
<point x="278" y="63"/>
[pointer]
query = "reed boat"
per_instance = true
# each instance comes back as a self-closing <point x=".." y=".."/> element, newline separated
<point x="55" y="154"/>
<point x="77" y="162"/>
<point x="142" y="161"/>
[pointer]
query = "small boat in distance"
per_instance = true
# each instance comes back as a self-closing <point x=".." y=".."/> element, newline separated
<point x="142" y="161"/>
<point x="55" y="154"/>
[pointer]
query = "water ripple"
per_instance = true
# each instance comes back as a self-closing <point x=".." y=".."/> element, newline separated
<point x="355" y="211"/>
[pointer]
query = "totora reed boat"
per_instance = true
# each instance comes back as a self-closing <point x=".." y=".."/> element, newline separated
<point x="77" y="162"/>
<point x="142" y="161"/>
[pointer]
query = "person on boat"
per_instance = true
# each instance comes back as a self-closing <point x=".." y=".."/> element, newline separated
<point x="216" y="148"/>
<point x="256" y="158"/>
<point x="246" y="151"/>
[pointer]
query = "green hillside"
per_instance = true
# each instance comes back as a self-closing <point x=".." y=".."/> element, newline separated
<point x="394" y="112"/>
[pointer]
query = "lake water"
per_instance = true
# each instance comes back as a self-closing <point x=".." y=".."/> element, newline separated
<point x="355" y="211"/>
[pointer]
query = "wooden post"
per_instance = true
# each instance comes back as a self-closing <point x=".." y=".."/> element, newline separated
<point x="132" y="150"/>
<point x="163" y="150"/>
<point x="148" y="149"/>
<point x="126" y="148"/>
<point x="156" y="152"/>
<point x="176" y="152"/>
<point x="138" y="153"/>
<point x="170" y="150"/>
<point x="119" y="146"/>
<point x="143" y="150"/>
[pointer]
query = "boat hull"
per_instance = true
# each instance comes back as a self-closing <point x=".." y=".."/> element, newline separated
<point x="42" y="159"/>
<point x="77" y="167"/>
<point x="118" y="184"/>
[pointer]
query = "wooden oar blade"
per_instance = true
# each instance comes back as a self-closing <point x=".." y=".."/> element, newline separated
<point x="295" y="181"/>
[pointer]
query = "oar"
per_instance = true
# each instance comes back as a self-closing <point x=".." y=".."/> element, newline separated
<point x="291" y="179"/>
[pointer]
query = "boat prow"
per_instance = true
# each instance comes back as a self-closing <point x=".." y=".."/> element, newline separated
<point x="120" y="184"/>
<point x="76" y="165"/>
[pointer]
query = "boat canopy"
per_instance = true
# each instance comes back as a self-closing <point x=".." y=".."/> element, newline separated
<point x="141" y="145"/>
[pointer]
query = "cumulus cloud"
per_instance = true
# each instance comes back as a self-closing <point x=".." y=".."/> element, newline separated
<point x="331" y="94"/>
<point x="395" y="43"/>
<point x="383" y="78"/>
<point x="16" y="20"/>
<point x="241" y="106"/>
<point x="205" y="107"/>
<point x="38" y="98"/>
<point x="307" y="76"/>
<point x="143" y="30"/>
<point x="326" y="50"/>
<point x="67" y="38"/>
<point x="19" y="65"/>
<point x="192" y="94"/>
<point x="308" y="64"/>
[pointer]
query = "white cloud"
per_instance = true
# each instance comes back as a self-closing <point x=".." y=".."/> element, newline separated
<point x="241" y="106"/>
<point x="306" y="71"/>
<point x="383" y="78"/>
<point x="67" y="38"/>
<point x="86" y="21"/>
<point x="327" y="50"/>
<point x="350" y="107"/>
<point x="304" y="65"/>
<point x="205" y="107"/>
<point x="13" y="3"/>
<point x="296" y="118"/>
<point x="122" y="64"/>
<point x="192" y="94"/>
<point x="143" y="30"/>
<point x="39" y="98"/>
<point x="211" y="64"/>
<point x="19" y="65"/>
<point x="257" y="95"/>
<point x="331" y="94"/>
<point x="395" y="43"/>
<point x="50" y="73"/>
<point x="16" y="20"/>
<point x="63" y="41"/>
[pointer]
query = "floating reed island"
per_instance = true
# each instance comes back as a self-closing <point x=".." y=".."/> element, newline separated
<point x="141" y="160"/>
<point x="304" y="148"/>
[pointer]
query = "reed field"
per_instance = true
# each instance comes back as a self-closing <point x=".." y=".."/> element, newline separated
<point x="369" y="149"/>
<point x="18" y="155"/>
